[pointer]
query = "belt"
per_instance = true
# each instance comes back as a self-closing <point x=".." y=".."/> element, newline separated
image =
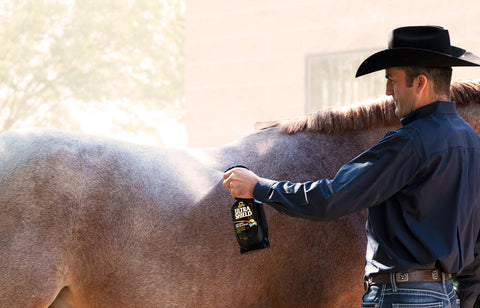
<point x="416" y="276"/>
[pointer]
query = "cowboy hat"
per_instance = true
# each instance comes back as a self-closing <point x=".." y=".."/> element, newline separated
<point x="427" y="46"/>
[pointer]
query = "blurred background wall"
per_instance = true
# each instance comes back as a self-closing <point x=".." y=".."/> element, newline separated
<point x="251" y="61"/>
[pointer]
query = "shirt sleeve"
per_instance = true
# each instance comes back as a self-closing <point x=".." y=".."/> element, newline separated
<point x="367" y="180"/>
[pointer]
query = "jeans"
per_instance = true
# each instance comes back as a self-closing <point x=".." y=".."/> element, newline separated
<point x="435" y="294"/>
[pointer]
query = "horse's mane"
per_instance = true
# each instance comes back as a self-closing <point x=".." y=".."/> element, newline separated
<point x="369" y="114"/>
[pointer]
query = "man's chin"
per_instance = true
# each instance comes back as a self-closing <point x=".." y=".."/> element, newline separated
<point x="400" y="114"/>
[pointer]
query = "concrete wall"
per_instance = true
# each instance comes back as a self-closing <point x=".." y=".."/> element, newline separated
<point x="245" y="59"/>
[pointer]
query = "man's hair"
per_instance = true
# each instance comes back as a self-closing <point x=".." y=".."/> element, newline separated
<point x="440" y="76"/>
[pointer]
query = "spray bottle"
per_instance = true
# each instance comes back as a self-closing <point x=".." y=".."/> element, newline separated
<point x="250" y="223"/>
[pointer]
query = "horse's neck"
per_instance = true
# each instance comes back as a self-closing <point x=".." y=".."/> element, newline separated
<point x="296" y="157"/>
<point x="302" y="156"/>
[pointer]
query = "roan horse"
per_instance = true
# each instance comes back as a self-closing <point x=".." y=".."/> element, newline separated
<point x="89" y="222"/>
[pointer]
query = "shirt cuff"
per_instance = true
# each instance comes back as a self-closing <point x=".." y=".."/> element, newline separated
<point x="262" y="189"/>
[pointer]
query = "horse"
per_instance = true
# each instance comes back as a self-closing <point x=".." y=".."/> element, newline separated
<point x="91" y="222"/>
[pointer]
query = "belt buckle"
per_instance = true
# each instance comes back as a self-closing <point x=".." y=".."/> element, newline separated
<point x="401" y="277"/>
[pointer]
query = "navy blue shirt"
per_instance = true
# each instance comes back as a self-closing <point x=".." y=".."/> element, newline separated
<point x="420" y="184"/>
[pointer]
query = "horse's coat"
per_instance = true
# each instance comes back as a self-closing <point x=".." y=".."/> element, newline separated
<point x="89" y="222"/>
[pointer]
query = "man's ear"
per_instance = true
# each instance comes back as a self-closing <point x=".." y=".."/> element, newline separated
<point x="421" y="83"/>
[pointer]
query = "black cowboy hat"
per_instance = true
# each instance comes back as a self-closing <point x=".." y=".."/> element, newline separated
<point x="427" y="46"/>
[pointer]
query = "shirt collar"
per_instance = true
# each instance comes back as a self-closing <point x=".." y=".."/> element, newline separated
<point x="439" y="106"/>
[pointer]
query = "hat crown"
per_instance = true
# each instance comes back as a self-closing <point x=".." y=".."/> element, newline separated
<point x="431" y="38"/>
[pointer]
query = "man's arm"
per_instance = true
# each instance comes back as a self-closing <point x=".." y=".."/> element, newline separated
<point x="394" y="160"/>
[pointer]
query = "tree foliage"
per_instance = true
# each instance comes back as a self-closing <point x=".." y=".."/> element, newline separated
<point x="57" y="53"/>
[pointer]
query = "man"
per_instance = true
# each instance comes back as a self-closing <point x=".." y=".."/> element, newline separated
<point x="419" y="183"/>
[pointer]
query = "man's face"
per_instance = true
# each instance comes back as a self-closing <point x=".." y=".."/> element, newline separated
<point x="403" y="95"/>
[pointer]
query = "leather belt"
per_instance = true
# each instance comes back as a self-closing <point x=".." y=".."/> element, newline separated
<point x="416" y="276"/>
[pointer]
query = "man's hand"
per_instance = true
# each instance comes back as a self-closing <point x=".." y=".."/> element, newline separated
<point x="240" y="182"/>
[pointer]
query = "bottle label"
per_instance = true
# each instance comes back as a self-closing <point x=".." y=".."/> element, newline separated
<point x="242" y="211"/>
<point x="244" y="221"/>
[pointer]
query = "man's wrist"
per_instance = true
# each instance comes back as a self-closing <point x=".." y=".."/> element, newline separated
<point x="261" y="191"/>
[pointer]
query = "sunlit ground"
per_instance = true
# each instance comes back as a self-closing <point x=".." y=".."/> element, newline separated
<point x="135" y="124"/>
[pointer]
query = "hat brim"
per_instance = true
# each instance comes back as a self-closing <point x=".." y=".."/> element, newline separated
<point x="398" y="57"/>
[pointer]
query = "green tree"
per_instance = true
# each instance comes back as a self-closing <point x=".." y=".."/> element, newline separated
<point x="55" y="54"/>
